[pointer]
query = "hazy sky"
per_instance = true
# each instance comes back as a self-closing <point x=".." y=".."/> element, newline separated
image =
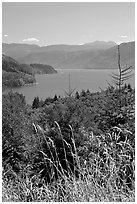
<point x="67" y="23"/>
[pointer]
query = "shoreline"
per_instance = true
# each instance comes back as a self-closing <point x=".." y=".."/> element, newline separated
<point x="30" y="84"/>
<point x="7" y="89"/>
<point x="91" y="69"/>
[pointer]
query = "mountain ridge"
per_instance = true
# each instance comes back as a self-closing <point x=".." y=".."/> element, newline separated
<point x="89" y="57"/>
<point x="17" y="50"/>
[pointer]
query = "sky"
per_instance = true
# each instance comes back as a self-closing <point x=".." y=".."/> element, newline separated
<point x="67" y="22"/>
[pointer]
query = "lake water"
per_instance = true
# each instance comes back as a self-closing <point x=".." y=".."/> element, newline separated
<point x="50" y="84"/>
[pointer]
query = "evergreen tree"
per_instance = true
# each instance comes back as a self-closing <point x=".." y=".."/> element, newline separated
<point x="129" y="87"/>
<point x="55" y="98"/>
<point x="77" y="95"/>
<point x="35" y="103"/>
<point x="83" y="93"/>
<point x="88" y="91"/>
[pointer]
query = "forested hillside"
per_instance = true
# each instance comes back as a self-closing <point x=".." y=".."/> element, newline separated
<point x="43" y="69"/>
<point x="16" y="75"/>
<point x="96" y="55"/>
<point x="76" y="148"/>
<point x="68" y="135"/>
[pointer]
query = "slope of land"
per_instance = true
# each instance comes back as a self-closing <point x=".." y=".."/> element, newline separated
<point x="88" y="56"/>
<point x="16" y="75"/>
<point x="108" y="58"/>
<point x="71" y="149"/>
<point x="17" y="50"/>
<point x="43" y="69"/>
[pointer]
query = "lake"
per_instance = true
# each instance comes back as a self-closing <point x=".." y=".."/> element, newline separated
<point x="50" y="84"/>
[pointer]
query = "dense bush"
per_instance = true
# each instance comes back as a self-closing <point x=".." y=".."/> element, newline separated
<point x="89" y="135"/>
<point x="13" y="79"/>
<point x="15" y="131"/>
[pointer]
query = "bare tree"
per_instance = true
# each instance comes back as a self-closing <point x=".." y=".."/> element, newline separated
<point x="70" y="91"/>
<point x="123" y="75"/>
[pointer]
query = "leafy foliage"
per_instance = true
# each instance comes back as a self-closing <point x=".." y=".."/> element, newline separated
<point x="87" y="135"/>
<point x="35" y="103"/>
<point x="15" y="130"/>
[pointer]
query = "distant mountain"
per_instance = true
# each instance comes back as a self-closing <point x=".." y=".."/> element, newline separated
<point x="87" y="46"/>
<point x="100" y="45"/>
<point x="108" y="59"/>
<point x="85" y="59"/>
<point x="17" y="51"/>
<point x="95" y="55"/>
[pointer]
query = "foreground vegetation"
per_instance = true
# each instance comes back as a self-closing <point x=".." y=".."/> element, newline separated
<point x="76" y="148"/>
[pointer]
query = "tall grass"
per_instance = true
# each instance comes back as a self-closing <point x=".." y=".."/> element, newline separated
<point x="105" y="171"/>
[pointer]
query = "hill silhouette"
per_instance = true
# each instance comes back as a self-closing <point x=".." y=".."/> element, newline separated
<point x="15" y="74"/>
<point x="96" y="55"/>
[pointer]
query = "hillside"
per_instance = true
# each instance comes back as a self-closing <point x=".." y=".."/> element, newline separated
<point x="108" y="58"/>
<point x="17" y="50"/>
<point x="43" y="69"/>
<point x="71" y="149"/>
<point x="91" y="59"/>
<point x="15" y="74"/>
<point x="96" y="55"/>
<point x="11" y="65"/>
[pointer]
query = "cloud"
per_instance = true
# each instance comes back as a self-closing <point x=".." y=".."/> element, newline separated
<point x="5" y="35"/>
<point x="122" y="42"/>
<point x="30" y="40"/>
<point x="81" y="43"/>
<point x="118" y="43"/>
<point x="123" y="36"/>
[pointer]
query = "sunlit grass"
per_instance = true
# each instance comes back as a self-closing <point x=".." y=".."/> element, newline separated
<point x="97" y="180"/>
<point x="81" y="190"/>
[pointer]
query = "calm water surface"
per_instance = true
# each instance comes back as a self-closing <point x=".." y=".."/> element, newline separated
<point x="50" y="84"/>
